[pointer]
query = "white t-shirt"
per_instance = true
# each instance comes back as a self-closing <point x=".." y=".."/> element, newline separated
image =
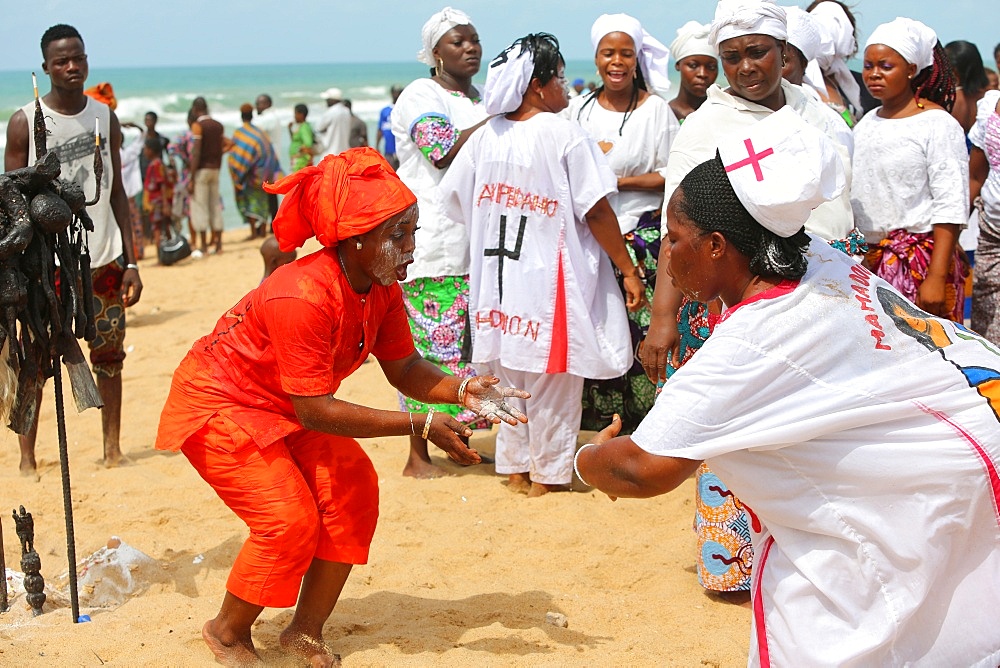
<point x="987" y="138"/>
<point x="542" y="293"/>
<point x="909" y="173"/>
<point x="866" y="453"/>
<point x="274" y="127"/>
<point x="72" y="138"/>
<point x="641" y="147"/>
<point x="334" y="130"/>
<point x="131" y="172"/>
<point x="723" y="115"/>
<point x="442" y="244"/>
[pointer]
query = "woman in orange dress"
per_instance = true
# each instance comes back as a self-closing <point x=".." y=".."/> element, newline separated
<point x="253" y="405"/>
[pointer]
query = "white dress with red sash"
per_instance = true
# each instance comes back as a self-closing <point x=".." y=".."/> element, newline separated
<point x="543" y="296"/>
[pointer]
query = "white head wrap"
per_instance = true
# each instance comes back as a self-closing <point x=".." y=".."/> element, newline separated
<point x="435" y="28"/>
<point x="736" y="18"/>
<point x="838" y="44"/>
<point x="653" y="56"/>
<point x="507" y="79"/>
<point x="803" y="32"/>
<point x="782" y="168"/>
<point x="692" y="40"/>
<point x="911" y="39"/>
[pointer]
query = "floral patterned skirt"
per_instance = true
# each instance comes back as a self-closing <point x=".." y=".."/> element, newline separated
<point x="903" y="258"/>
<point x="631" y="395"/>
<point x="725" y="554"/>
<point x="438" y="310"/>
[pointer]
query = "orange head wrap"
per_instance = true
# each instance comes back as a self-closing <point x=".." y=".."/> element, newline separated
<point x="343" y="196"/>
<point x="103" y="92"/>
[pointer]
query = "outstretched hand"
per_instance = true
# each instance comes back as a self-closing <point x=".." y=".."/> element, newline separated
<point x="486" y="398"/>
<point x="446" y="433"/>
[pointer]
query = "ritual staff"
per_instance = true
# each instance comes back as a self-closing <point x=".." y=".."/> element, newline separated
<point x="546" y="310"/>
<point x="860" y="432"/>
<point x="253" y="405"/>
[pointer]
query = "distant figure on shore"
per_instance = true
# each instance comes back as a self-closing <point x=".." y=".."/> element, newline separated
<point x="303" y="144"/>
<point x="270" y="124"/>
<point x="180" y="149"/>
<point x="334" y="125"/>
<point x="384" y="131"/>
<point x="157" y="191"/>
<point x="578" y="87"/>
<point x="273" y="256"/>
<point x="359" y="131"/>
<point x="252" y="161"/>
<point x="206" y="161"/>
<point x="70" y="117"/>
<point x="994" y="81"/>
<point x="132" y="182"/>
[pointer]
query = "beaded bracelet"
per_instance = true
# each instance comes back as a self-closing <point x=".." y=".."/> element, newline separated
<point x="576" y="458"/>
<point x="427" y="424"/>
<point x="461" y="391"/>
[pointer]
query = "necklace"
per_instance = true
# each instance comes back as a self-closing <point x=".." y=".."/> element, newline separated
<point x="340" y="260"/>
<point x="343" y="269"/>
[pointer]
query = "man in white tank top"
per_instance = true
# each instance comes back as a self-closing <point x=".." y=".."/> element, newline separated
<point x="70" y="118"/>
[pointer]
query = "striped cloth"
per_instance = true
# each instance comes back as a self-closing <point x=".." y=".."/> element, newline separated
<point x="251" y="159"/>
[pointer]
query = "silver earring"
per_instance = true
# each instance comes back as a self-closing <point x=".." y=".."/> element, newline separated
<point x="540" y="93"/>
<point x="358" y="244"/>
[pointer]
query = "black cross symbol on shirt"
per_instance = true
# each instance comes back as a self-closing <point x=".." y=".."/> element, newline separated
<point x="501" y="251"/>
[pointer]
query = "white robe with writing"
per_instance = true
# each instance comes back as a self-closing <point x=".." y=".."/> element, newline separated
<point x="863" y="437"/>
<point x="543" y="296"/>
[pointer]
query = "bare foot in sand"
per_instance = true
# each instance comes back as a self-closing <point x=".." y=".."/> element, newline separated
<point x="423" y="470"/>
<point x="114" y="461"/>
<point x="519" y="483"/>
<point x="540" y="489"/>
<point x="230" y="652"/>
<point x="313" y="649"/>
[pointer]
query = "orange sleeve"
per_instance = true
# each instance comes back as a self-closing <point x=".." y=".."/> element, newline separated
<point x="196" y="130"/>
<point x="300" y="334"/>
<point x="394" y="340"/>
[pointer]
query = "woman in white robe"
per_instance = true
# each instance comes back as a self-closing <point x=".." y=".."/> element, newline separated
<point x="860" y="432"/>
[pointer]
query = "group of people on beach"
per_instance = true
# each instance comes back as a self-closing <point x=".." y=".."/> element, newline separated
<point x="758" y="284"/>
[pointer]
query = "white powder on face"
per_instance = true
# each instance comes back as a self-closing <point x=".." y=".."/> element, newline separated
<point x="389" y="257"/>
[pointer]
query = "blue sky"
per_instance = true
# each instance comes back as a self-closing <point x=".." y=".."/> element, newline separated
<point x="124" y="33"/>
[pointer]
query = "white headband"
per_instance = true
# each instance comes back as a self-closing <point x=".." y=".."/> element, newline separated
<point x="507" y="79"/>
<point x="435" y="28"/>
<point x="692" y="40"/>
<point x="736" y="18"/>
<point x="803" y="32"/>
<point x="782" y="168"/>
<point x="653" y="56"/>
<point x="837" y="45"/>
<point x="911" y="39"/>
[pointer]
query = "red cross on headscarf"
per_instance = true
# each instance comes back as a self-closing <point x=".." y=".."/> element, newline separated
<point x="753" y="159"/>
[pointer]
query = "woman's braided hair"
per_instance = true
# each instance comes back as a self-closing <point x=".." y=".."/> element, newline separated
<point x="709" y="200"/>
<point x="937" y="82"/>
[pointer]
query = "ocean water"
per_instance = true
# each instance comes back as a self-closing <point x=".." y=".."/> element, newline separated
<point x="169" y="91"/>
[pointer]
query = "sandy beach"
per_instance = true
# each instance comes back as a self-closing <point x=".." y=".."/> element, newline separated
<point x="462" y="570"/>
